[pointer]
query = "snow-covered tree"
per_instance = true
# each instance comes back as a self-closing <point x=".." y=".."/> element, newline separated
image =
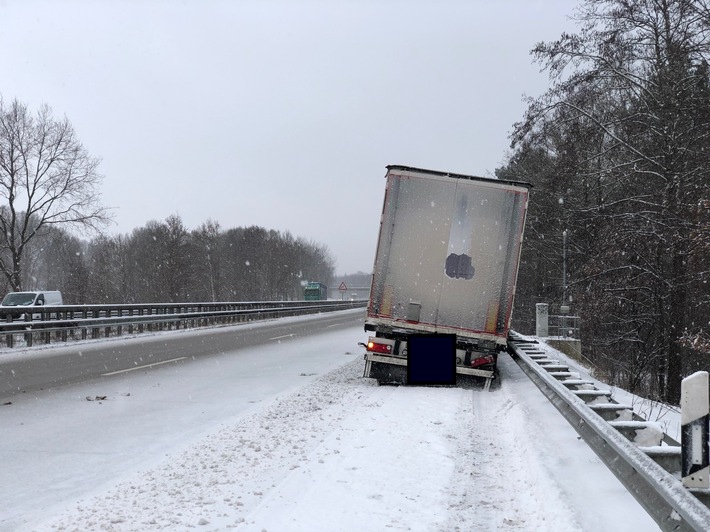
<point x="624" y="128"/>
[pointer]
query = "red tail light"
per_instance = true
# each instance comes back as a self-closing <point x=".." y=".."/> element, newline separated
<point x="379" y="348"/>
<point x="482" y="361"/>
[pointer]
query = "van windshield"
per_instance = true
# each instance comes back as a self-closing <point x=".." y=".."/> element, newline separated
<point x="18" y="299"/>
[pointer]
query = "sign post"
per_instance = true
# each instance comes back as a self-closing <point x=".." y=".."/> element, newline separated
<point x="342" y="289"/>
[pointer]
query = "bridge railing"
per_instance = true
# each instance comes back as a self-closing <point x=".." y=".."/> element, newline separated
<point x="80" y="322"/>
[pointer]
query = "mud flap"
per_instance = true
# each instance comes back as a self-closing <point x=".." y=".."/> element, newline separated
<point x="387" y="373"/>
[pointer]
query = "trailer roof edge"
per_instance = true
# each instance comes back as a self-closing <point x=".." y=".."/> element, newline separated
<point x="457" y="176"/>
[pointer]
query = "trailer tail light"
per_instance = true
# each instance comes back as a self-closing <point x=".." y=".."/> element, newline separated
<point x="377" y="347"/>
<point x="482" y="361"/>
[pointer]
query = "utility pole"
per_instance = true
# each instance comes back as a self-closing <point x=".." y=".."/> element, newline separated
<point x="564" y="307"/>
<point x="564" y="267"/>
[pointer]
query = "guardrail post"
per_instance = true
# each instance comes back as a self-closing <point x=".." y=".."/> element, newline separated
<point x="9" y="339"/>
<point x="694" y="416"/>
<point x="541" y="320"/>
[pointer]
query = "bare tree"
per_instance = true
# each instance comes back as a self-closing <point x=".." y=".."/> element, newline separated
<point x="207" y="261"/>
<point x="108" y="270"/>
<point x="47" y="178"/>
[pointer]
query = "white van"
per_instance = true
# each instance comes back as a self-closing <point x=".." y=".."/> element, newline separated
<point x="15" y="303"/>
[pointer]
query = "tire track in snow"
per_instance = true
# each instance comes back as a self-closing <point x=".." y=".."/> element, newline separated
<point x="499" y="483"/>
<point x="385" y="466"/>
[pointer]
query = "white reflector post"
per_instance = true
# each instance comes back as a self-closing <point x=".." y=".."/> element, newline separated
<point x="694" y="417"/>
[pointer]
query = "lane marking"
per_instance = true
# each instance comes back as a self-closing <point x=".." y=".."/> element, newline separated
<point x="284" y="336"/>
<point x="142" y="367"/>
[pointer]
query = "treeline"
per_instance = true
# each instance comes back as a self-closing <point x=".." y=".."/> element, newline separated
<point x="619" y="153"/>
<point x="165" y="262"/>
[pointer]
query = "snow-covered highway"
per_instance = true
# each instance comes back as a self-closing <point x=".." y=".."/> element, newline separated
<point x="288" y="436"/>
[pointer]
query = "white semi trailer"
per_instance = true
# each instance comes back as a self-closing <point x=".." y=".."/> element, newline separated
<point x="446" y="264"/>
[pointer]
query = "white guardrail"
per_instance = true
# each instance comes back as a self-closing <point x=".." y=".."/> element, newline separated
<point x="651" y="473"/>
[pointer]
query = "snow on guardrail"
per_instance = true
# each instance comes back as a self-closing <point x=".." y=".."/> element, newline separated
<point x="646" y="461"/>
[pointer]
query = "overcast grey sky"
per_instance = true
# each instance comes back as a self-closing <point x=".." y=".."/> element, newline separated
<point x="281" y="114"/>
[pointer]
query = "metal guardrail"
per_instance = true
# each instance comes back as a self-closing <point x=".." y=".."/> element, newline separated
<point x="81" y="322"/>
<point x="659" y="492"/>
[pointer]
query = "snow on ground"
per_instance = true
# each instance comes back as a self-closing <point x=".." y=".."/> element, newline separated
<point x="56" y="446"/>
<point x="343" y="454"/>
<point x="238" y="443"/>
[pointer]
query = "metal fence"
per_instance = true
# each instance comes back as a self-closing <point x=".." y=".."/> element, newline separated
<point x="564" y="326"/>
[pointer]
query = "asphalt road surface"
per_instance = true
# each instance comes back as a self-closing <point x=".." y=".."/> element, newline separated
<point x="43" y="368"/>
